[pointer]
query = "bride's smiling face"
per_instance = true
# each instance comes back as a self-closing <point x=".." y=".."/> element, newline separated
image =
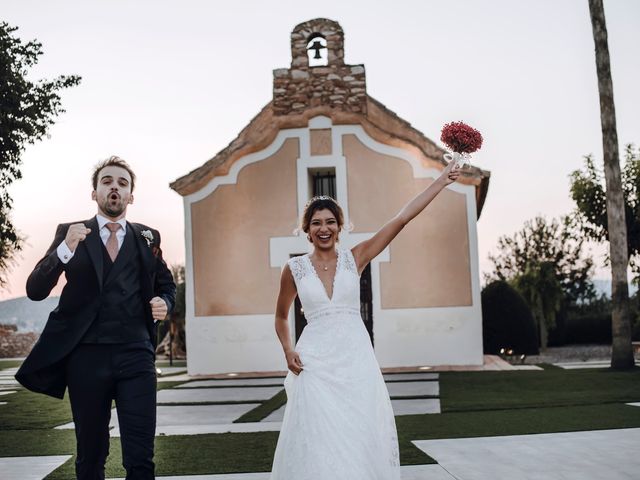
<point x="324" y="229"/>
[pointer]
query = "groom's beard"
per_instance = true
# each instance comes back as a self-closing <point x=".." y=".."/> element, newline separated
<point x="114" y="208"/>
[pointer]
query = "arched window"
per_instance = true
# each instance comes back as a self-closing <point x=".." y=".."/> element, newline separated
<point x="317" y="51"/>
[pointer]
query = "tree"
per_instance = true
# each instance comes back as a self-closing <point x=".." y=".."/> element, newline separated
<point x="540" y="286"/>
<point x="621" y="348"/>
<point x="27" y="110"/>
<point x="545" y="262"/>
<point x="587" y="190"/>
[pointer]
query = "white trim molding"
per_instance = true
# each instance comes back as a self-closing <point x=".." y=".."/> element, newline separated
<point x="403" y="337"/>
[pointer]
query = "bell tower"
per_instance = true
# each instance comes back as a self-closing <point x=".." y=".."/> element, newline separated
<point x="318" y="75"/>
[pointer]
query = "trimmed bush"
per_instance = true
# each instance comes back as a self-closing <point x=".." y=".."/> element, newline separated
<point x="507" y="321"/>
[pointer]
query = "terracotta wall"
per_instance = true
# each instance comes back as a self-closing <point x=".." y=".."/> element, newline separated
<point x="320" y="141"/>
<point x="429" y="260"/>
<point x="231" y="231"/>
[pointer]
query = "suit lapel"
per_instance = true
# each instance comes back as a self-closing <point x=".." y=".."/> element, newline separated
<point x="93" y="243"/>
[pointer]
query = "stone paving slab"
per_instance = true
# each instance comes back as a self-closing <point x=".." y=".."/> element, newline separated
<point x="416" y="406"/>
<point x="187" y="415"/>
<point x="175" y="378"/>
<point x="591" y="455"/>
<point x="204" y="428"/>
<point x="425" y="472"/>
<point x="227" y="476"/>
<point x="7" y="392"/>
<point x="233" y="382"/>
<point x="202" y="414"/>
<point x="407" y="472"/>
<point x="413" y="389"/>
<point x="410" y="376"/>
<point x="3" y="403"/>
<point x="245" y="427"/>
<point x="7" y="382"/>
<point x="200" y="395"/>
<point x="400" y="407"/>
<point x="172" y="370"/>
<point x="586" y="364"/>
<point x="30" y="468"/>
<point x="527" y="367"/>
<point x="634" y="404"/>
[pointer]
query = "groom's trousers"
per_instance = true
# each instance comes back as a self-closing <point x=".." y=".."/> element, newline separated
<point x="98" y="374"/>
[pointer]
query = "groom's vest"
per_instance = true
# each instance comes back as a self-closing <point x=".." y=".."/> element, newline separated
<point x="121" y="316"/>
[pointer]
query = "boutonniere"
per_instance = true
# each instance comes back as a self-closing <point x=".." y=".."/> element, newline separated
<point x="148" y="236"/>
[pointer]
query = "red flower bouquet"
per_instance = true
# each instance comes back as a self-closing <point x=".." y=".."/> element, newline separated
<point x="462" y="139"/>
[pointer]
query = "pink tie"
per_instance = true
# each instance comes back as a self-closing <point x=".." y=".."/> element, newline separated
<point x="112" y="241"/>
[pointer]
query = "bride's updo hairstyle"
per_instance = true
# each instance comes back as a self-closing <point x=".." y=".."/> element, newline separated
<point x="322" y="202"/>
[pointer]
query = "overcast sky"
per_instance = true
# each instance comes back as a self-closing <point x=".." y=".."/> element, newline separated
<point x="168" y="84"/>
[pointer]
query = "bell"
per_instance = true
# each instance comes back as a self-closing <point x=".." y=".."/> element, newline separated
<point x="317" y="46"/>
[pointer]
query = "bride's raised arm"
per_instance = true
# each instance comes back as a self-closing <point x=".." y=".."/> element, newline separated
<point x="367" y="250"/>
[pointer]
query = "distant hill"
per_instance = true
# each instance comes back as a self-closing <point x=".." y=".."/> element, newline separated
<point x="27" y="315"/>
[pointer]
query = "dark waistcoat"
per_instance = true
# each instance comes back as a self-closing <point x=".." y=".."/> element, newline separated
<point x="122" y="312"/>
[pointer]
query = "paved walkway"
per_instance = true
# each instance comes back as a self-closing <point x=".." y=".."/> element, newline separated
<point x="586" y="364"/>
<point x="30" y="468"/>
<point x="196" y="408"/>
<point x="593" y="455"/>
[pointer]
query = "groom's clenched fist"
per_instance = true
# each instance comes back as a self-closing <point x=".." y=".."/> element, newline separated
<point x="158" y="308"/>
<point x="76" y="234"/>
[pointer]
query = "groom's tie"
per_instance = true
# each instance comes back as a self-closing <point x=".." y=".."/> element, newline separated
<point x="112" y="241"/>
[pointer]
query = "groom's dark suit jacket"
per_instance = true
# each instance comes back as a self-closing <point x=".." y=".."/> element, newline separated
<point x="43" y="371"/>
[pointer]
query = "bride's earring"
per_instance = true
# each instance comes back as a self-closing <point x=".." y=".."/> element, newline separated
<point x="308" y="237"/>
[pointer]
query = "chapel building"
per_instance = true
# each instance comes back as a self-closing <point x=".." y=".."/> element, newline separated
<point x="323" y="134"/>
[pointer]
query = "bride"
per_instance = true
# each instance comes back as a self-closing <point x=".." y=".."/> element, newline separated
<point x="338" y="422"/>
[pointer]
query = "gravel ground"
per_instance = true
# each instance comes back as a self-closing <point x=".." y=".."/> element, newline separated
<point x="572" y="353"/>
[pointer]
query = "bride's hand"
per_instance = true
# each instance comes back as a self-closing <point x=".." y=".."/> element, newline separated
<point x="450" y="173"/>
<point x="293" y="362"/>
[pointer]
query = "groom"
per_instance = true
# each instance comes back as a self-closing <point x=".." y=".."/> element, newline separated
<point x="99" y="341"/>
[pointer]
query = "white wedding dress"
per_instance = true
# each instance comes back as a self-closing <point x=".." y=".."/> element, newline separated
<point x="338" y="422"/>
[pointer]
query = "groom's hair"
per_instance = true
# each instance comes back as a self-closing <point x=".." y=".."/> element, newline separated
<point x="112" y="161"/>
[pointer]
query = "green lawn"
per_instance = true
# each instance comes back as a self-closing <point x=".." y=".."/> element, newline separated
<point x="26" y="410"/>
<point x="9" y="364"/>
<point x="176" y="363"/>
<point x="468" y="391"/>
<point x="473" y="404"/>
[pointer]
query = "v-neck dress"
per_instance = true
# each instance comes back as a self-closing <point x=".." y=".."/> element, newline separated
<point x="338" y="422"/>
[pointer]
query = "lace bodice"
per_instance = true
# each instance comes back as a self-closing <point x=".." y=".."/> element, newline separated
<point x="313" y="296"/>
